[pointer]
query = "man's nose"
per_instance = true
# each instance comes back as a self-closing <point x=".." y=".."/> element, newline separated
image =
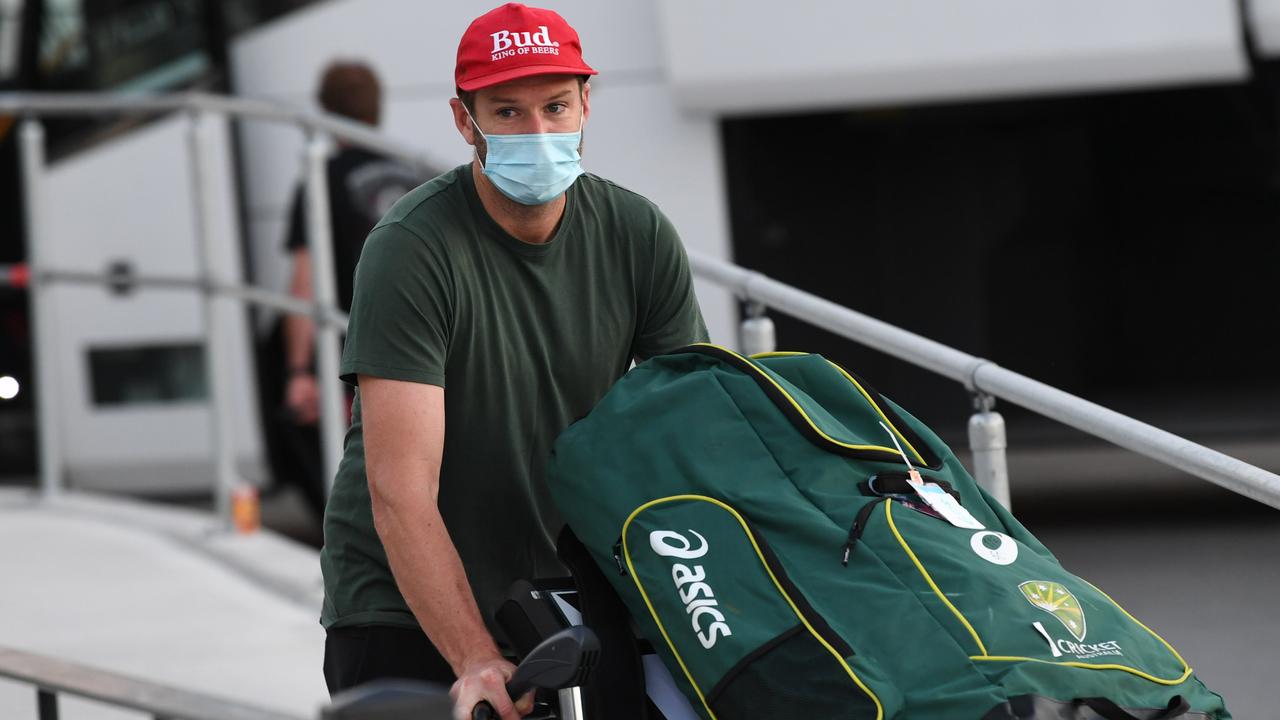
<point x="536" y="124"/>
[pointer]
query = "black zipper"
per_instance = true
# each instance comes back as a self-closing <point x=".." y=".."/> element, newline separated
<point x="617" y="557"/>
<point x="858" y="527"/>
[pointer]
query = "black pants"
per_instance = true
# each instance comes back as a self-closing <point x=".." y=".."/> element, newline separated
<point x="356" y="655"/>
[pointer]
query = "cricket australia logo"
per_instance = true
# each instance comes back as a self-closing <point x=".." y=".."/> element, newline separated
<point x="1058" y="602"/>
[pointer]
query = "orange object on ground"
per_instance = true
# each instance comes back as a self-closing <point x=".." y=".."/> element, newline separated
<point x="246" y="511"/>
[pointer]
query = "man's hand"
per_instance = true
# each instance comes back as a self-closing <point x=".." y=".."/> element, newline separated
<point x="302" y="397"/>
<point x="487" y="680"/>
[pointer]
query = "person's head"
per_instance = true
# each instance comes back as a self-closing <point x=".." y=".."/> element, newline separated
<point x="519" y="71"/>
<point x="350" y="88"/>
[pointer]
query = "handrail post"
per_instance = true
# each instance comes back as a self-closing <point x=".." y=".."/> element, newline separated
<point x="324" y="295"/>
<point x="756" y="334"/>
<point x="46" y="704"/>
<point x="988" y="442"/>
<point x="218" y="370"/>
<point x="44" y="349"/>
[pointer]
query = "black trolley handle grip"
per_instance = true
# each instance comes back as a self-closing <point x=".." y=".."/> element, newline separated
<point x="484" y="711"/>
<point x="560" y="661"/>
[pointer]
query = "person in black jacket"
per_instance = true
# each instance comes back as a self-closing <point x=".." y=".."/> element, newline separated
<point x="362" y="186"/>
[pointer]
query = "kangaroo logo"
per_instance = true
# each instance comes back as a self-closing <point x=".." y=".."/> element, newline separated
<point x="1058" y="602"/>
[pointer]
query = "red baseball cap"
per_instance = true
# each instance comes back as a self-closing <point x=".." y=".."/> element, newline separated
<point x="515" y="41"/>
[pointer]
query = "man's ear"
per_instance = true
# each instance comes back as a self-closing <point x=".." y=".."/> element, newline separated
<point x="586" y="101"/>
<point x="462" y="121"/>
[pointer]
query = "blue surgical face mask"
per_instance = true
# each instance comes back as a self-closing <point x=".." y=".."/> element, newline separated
<point x="531" y="168"/>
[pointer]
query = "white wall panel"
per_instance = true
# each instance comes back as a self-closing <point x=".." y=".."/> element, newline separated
<point x="754" y="57"/>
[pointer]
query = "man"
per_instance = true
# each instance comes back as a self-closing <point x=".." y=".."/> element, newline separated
<point x="511" y="292"/>
<point x="362" y="186"/>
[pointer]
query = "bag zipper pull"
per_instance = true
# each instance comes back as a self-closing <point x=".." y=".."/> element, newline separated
<point x="856" y="529"/>
<point x="617" y="557"/>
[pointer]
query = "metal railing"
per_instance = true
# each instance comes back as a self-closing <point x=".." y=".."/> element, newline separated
<point x="52" y="677"/>
<point x="983" y="378"/>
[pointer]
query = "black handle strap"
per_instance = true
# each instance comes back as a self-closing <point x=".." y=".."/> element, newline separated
<point x="1177" y="707"/>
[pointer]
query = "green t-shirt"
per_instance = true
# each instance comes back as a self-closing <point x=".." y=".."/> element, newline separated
<point x="524" y="339"/>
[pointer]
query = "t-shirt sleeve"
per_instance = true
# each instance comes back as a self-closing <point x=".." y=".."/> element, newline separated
<point x="672" y="318"/>
<point x="401" y="311"/>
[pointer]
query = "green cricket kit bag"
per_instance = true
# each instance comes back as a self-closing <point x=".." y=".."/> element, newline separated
<point x="794" y="545"/>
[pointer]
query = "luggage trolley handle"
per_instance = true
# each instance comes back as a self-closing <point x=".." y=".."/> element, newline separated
<point x="484" y="711"/>
<point x="561" y="661"/>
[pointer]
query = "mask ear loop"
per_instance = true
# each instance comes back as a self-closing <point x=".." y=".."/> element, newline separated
<point x="582" y="123"/>
<point x="476" y="125"/>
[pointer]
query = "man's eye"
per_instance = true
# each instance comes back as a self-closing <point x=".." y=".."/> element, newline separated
<point x="506" y="113"/>
<point x="557" y="107"/>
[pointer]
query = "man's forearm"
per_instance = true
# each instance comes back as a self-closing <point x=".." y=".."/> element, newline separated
<point x="299" y="342"/>
<point x="299" y="330"/>
<point x="430" y="576"/>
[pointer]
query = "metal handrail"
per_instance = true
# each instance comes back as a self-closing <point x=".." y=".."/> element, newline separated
<point x="126" y="283"/>
<point x="46" y="104"/>
<point x="985" y="377"/>
<point x="52" y="676"/>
